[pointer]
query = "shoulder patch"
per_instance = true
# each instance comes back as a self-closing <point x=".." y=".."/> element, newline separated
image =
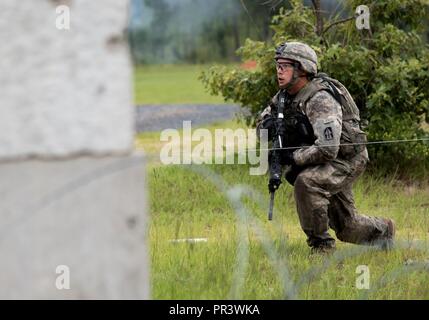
<point x="329" y="135"/>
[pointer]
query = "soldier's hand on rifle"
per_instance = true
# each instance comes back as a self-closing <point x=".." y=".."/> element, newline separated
<point x="287" y="157"/>
<point x="275" y="182"/>
<point x="268" y="123"/>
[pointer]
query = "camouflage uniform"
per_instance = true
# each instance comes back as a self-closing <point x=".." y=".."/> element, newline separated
<point x="323" y="189"/>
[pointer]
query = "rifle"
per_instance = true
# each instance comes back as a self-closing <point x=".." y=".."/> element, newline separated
<point x="296" y="135"/>
<point x="275" y="154"/>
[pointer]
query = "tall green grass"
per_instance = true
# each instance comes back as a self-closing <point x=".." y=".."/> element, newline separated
<point x="186" y="205"/>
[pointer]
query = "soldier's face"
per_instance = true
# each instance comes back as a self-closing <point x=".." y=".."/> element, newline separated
<point x="284" y="71"/>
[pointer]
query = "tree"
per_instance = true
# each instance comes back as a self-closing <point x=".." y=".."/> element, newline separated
<point x="385" y="68"/>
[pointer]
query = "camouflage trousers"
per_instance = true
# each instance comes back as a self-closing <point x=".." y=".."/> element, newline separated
<point x="324" y="198"/>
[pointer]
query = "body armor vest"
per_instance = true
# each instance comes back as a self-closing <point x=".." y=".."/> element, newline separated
<point x="299" y="131"/>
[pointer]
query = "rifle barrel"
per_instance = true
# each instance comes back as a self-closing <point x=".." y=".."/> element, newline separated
<point x="270" y="212"/>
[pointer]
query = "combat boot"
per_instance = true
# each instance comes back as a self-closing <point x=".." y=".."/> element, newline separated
<point x="389" y="237"/>
<point x="324" y="249"/>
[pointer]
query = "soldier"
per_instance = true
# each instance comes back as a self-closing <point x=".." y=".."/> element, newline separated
<point x="324" y="171"/>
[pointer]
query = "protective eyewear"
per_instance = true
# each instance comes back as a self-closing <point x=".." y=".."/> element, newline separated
<point x="282" y="66"/>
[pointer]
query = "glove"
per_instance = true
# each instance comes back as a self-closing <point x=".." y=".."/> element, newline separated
<point x="287" y="158"/>
<point x="269" y="124"/>
<point x="292" y="174"/>
<point x="274" y="183"/>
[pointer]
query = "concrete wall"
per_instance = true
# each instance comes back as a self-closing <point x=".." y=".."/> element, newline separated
<point x="84" y="213"/>
<point x="72" y="191"/>
<point x="64" y="92"/>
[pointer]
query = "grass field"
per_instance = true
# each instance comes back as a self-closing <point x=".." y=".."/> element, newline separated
<point x="169" y="84"/>
<point x="248" y="257"/>
<point x="186" y="204"/>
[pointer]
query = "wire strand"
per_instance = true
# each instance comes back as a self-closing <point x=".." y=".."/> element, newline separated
<point x="325" y="146"/>
<point x="345" y="144"/>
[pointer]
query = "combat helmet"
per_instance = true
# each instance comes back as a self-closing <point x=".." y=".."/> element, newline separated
<point x="300" y="52"/>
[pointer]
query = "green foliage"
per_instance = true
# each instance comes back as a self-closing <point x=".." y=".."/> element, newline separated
<point x="405" y="14"/>
<point x="386" y="69"/>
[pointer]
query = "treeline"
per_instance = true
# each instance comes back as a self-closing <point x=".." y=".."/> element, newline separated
<point x="198" y="31"/>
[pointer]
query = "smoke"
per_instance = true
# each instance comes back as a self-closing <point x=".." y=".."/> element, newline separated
<point x="167" y="31"/>
<point x="188" y="15"/>
<point x="141" y="16"/>
<point x="170" y="30"/>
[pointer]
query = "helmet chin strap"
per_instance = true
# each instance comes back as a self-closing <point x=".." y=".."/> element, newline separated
<point x="294" y="80"/>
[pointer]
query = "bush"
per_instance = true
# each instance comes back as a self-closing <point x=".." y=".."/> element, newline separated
<point x="386" y="69"/>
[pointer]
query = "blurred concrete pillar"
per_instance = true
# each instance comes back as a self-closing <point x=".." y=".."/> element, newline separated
<point x="72" y="191"/>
